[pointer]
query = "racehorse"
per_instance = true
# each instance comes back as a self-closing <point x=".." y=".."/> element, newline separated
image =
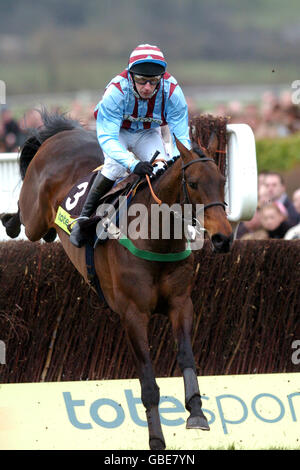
<point x="52" y="160"/>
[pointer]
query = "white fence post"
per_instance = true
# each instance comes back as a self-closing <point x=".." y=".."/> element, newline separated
<point x="241" y="187"/>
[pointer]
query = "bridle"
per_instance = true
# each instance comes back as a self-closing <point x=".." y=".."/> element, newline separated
<point x="187" y="199"/>
<point x="184" y="185"/>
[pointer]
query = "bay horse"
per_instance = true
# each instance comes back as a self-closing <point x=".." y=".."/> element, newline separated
<point x="52" y="160"/>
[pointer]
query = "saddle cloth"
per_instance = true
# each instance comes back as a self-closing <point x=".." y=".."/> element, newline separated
<point x="72" y="205"/>
<point x="70" y="209"/>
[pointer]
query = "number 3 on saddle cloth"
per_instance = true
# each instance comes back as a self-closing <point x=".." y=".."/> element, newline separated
<point x="95" y="229"/>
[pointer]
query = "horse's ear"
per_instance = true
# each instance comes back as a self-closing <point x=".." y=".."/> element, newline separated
<point x="213" y="144"/>
<point x="184" y="152"/>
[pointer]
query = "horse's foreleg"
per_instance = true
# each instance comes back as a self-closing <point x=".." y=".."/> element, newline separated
<point x="135" y="324"/>
<point x="181" y="317"/>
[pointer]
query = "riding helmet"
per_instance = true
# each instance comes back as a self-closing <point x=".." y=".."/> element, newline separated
<point x="147" y="60"/>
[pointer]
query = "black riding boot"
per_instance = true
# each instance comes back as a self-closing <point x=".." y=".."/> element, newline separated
<point x="100" y="186"/>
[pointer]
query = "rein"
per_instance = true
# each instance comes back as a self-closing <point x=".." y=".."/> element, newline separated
<point x="184" y="185"/>
<point x="156" y="199"/>
<point x="167" y="257"/>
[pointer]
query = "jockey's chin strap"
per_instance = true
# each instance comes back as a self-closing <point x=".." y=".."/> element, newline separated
<point x="137" y="95"/>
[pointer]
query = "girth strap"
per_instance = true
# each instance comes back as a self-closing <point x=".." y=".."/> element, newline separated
<point x="154" y="256"/>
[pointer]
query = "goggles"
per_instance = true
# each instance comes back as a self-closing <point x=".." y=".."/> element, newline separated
<point x="141" y="80"/>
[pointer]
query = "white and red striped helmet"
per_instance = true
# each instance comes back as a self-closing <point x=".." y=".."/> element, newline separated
<point x="147" y="60"/>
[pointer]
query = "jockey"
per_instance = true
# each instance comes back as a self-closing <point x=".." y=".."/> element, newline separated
<point x="135" y="104"/>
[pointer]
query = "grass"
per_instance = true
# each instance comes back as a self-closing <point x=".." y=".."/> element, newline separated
<point x="234" y="73"/>
<point x="38" y="77"/>
<point x="93" y="74"/>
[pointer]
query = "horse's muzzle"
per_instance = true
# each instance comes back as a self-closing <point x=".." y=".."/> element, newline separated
<point x="221" y="243"/>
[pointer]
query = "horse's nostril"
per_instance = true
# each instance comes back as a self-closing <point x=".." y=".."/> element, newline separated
<point x="221" y="242"/>
<point x="217" y="239"/>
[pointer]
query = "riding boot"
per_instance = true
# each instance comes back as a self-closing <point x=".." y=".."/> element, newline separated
<point x="100" y="186"/>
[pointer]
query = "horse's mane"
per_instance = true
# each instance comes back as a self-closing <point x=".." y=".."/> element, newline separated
<point x="201" y="129"/>
<point x="53" y="123"/>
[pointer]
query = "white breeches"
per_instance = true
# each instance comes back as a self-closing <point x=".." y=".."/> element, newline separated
<point x="143" y="144"/>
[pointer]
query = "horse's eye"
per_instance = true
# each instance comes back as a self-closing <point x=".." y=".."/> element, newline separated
<point x="192" y="184"/>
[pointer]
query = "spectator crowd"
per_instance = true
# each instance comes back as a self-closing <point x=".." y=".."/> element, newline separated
<point x="13" y="131"/>
<point x="276" y="216"/>
<point x="274" y="116"/>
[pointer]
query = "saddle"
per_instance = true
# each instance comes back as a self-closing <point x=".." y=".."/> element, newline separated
<point x="93" y="229"/>
<point x="71" y="208"/>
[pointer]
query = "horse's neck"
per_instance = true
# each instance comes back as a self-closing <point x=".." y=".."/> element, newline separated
<point x="168" y="189"/>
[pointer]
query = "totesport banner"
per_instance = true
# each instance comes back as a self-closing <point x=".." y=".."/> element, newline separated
<point x="244" y="412"/>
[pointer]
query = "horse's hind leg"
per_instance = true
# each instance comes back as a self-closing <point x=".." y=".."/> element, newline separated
<point x="36" y="212"/>
<point x="12" y="224"/>
<point x="181" y="317"/>
<point x="135" y="324"/>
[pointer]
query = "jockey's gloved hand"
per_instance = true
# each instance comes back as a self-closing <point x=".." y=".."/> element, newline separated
<point x="143" y="168"/>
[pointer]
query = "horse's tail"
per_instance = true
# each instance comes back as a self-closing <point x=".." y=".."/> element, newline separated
<point x="52" y="124"/>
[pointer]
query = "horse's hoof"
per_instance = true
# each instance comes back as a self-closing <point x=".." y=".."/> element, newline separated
<point x="197" y="422"/>
<point x="157" y="444"/>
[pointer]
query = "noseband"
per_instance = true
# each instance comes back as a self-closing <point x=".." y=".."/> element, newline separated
<point x="184" y="186"/>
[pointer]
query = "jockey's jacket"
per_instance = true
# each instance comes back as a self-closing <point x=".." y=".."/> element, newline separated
<point x="121" y="107"/>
